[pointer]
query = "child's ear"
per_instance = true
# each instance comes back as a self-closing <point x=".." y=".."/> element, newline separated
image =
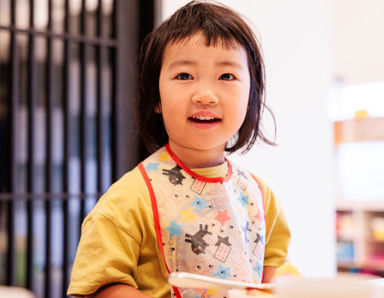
<point x="158" y="108"/>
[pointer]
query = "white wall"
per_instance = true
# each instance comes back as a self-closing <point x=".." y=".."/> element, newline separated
<point x="295" y="38"/>
<point x="358" y="40"/>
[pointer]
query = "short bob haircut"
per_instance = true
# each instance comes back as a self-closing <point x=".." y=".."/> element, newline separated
<point x="217" y="23"/>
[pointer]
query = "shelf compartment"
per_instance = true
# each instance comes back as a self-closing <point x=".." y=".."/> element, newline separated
<point x="359" y="130"/>
<point x="345" y="252"/>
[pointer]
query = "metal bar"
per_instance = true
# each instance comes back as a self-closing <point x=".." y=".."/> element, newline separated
<point x="83" y="111"/>
<point x="11" y="261"/>
<point x="99" y="19"/>
<point x="114" y="87"/>
<point x="124" y="138"/>
<point x="67" y="146"/>
<point x="13" y="123"/>
<point x="99" y="104"/>
<point x="63" y="36"/>
<point x="48" y="162"/>
<point x="46" y="196"/>
<point x="31" y="94"/>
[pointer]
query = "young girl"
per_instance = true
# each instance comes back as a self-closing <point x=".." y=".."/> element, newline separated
<point x="186" y="208"/>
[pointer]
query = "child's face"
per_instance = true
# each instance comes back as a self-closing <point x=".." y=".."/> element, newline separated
<point x="204" y="95"/>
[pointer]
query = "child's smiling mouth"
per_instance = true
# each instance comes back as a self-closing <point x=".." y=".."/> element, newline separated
<point x="204" y="117"/>
<point x="204" y="120"/>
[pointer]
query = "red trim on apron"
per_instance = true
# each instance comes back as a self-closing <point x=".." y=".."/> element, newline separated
<point x="157" y="221"/>
<point x="197" y="176"/>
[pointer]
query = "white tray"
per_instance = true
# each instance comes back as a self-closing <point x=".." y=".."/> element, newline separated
<point x="191" y="280"/>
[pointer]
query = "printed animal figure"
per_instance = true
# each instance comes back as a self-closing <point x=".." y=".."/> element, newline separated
<point x="174" y="175"/>
<point x="241" y="173"/>
<point x="198" y="244"/>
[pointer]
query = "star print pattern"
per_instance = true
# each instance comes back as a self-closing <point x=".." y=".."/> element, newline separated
<point x="199" y="203"/>
<point x="246" y="230"/>
<point x="243" y="199"/>
<point x="223" y="272"/>
<point x="212" y="292"/>
<point x="258" y="268"/>
<point x="188" y="215"/>
<point x="174" y="229"/>
<point x="259" y="238"/>
<point x="164" y="156"/>
<point x="224" y="240"/>
<point x="257" y="216"/>
<point x="205" y="227"/>
<point x="222" y="216"/>
<point x="152" y="166"/>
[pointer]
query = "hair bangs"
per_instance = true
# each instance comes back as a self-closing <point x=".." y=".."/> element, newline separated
<point x="217" y="25"/>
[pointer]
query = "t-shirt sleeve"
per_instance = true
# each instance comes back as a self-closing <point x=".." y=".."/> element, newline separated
<point x="106" y="254"/>
<point x="277" y="236"/>
<point x="111" y="241"/>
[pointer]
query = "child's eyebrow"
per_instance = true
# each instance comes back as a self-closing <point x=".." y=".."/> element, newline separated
<point x="230" y="63"/>
<point x="181" y="63"/>
<point x="219" y="63"/>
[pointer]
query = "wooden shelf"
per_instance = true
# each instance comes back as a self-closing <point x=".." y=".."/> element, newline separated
<point x="374" y="265"/>
<point x="371" y="266"/>
<point x="357" y="248"/>
<point x="362" y="205"/>
<point x="359" y="130"/>
<point x="344" y="239"/>
<point x="346" y="264"/>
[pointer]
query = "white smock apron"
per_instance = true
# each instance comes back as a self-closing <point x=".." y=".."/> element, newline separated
<point x="210" y="226"/>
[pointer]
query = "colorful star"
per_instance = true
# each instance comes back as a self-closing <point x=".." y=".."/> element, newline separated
<point x="188" y="215"/>
<point x="243" y="199"/>
<point x="174" y="229"/>
<point x="259" y="238"/>
<point x="199" y="203"/>
<point x="212" y="292"/>
<point x="246" y="230"/>
<point x="223" y="272"/>
<point x="152" y="166"/>
<point x="222" y="216"/>
<point x="164" y="156"/>
<point x="258" y="215"/>
<point x="258" y="268"/>
<point x="224" y="240"/>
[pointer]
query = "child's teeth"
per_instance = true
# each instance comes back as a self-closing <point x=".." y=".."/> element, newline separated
<point x="204" y="118"/>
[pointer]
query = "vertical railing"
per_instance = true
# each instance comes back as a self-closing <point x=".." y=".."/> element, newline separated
<point x="31" y="107"/>
<point x="114" y="63"/>
<point x="99" y="103"/>
<point x="108" y="116"/>
<point x="83" y="129"/>
<point x="13" y="127"/>
<point x="66" y="151"/>
<point x="49" y="153"/>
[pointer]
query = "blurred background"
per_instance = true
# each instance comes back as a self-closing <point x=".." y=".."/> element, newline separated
<point x="67" y="131"/>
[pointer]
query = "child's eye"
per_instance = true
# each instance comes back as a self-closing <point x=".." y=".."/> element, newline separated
<point x="184" y="76"/>
<point x="227" y="77"/>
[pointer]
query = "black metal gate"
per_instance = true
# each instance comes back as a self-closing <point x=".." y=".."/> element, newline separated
<point x="67" y="86"/>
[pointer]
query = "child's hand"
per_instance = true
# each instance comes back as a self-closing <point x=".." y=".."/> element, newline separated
<point x="259" y="293"/>
<point x="119" y="291"/>
<point x="268" y="274"/>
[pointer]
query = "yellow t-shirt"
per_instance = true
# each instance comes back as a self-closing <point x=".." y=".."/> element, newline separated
<point x="118" y="240"/>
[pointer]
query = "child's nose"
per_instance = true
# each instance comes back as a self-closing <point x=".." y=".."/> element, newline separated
<point x="205" y="98"/>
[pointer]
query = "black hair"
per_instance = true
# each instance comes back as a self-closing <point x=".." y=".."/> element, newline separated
<point x="217" y="23"/>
